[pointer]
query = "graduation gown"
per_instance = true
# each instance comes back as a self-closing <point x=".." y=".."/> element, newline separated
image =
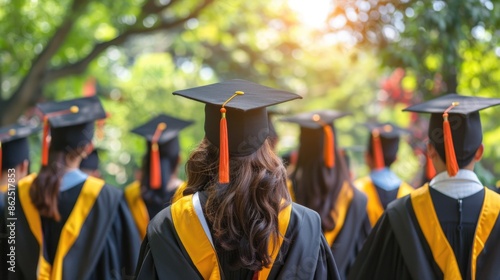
<point x="429" y="235"/>
<point x="95" y="238"/>
<point x="177" y="247"/>
<point x="378" y="198"/>
<point x="141" y="211"/>
<point x="351" y="229"/>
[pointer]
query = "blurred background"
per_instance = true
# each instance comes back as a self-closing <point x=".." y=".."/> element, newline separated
<point x="371" y="58"/>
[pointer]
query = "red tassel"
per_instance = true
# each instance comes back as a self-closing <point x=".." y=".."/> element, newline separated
<point x="430" y="171"/>
<point x="378" y="154"/>
<point x="256" y="275"/>
<point x="45" y="142"/>
<point x="328" y="149"/>
<point x="154" y="166"/>
<point x="223" y="150"/>
<point x="449" y="149"/>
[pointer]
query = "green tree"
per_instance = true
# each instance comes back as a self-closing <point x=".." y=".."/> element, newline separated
<point x="57" y="39"/>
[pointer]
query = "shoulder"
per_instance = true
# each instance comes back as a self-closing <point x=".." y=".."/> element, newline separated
<point x="160" y="223"/>
<point x="360" y="183"/>
<point x="359" y="197"/>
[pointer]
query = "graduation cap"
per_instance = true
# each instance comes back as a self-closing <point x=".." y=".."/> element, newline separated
<point x="161" y="134"/>
<point x="455" y="127"/>
<point x="314" y="127"/>
<point x="71" y="123"/>
<point x="383" y="143"/>
<point x="246" y="127"/>
<point x="14" y="148"/>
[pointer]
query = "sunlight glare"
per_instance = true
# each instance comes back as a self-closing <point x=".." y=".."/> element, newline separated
<point x="312" y="13"/>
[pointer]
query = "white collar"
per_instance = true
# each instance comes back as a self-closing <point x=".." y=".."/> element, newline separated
<point x="464" y="184"/>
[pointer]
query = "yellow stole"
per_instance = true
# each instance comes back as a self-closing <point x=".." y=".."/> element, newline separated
<point x="198" y="246"/>
<point x="178" y="193"/>
<point x="431" y="228"/>
<point x="374" y="207"/>
<point x="137" y="207"/>
<point x="290" y="189"/>
<point x="340" y="212"/>
<point x="84" y="203"/>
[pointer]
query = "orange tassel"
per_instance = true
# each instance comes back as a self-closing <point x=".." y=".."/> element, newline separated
<point x="430" y="171"/>
<point x="45" y="141"/>
<point x="154" y="166"/>
<point x="155" y="171"/>
<point x="449" y="149"/>
<point x="223" y="150"/>
<point x="378" y="154"/>
<point x="328" y="149"/>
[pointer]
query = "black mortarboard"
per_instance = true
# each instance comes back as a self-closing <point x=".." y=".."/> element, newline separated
<point x="161" y="134"/>
<point x="383" y="142"/>
<point x="71" y="123"/>
<point x="455" y="126"/>
<point x="246" y="127"/>
<point x="91" y="162"/>
<point x="317" y="134"/>
<point x="14" y="148"/>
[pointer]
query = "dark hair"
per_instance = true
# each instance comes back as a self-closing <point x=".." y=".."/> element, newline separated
<point x="317" y="186"/>
<point x="243" y="213"/>
<point x="44" y="191"/>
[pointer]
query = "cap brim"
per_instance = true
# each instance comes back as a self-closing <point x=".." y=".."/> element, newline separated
<point x="255" y="96"/>
<point x="466" y="104"/>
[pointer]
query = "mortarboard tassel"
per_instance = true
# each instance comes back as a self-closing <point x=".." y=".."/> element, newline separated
<point x="45" y="142"/>
<point x="449" y="149"/>
<point x="378" y="155"/>
<point x="430" y="171"/>
<point x="329" y="142"/>
<point x="224" y="145"/>
<point x="46" y="129"/>
<point x="155" y="170"/>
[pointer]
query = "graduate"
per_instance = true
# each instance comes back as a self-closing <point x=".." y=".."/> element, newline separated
<point x="146" y="197"/>
<point x="90" y="164"/>
<point x="14" y="165"/>
<point x="235" y="220"/>
<point x="321" y="181"/>
<point x="68" y="224"/>
<point x="450" y="228"/>
<point x="382" y="185"/>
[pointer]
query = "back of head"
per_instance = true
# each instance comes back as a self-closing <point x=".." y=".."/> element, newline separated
<point x="455" y="127"/>
<point x="71" y="126"/>
<point x="244" y="179"/>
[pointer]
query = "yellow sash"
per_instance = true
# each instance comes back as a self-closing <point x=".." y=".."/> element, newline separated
<point x="198" y="246"/>
<point x="290" y="189"/>
<point x="71" y="230"/>
<point x="340" y="212"/>
<point x="137" y="207"/>
<point x="178" y="193"/>
<point x="374" y="207"/>
<point x="431" y="228"/>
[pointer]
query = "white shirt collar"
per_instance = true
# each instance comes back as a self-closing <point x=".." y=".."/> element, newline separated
<point x="464" y="184"/>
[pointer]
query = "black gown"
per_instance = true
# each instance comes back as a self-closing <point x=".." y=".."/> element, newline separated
<point x="353" y="232"/>
<point x="445" y="242"/>
<point x="165" y="251"/>
<point x="95" y="239"/>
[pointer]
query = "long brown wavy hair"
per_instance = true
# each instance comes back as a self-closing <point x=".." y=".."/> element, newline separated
<point x="317" y="186"/>
<point x="243" y="213"/>
<point x="44" y="191"/>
